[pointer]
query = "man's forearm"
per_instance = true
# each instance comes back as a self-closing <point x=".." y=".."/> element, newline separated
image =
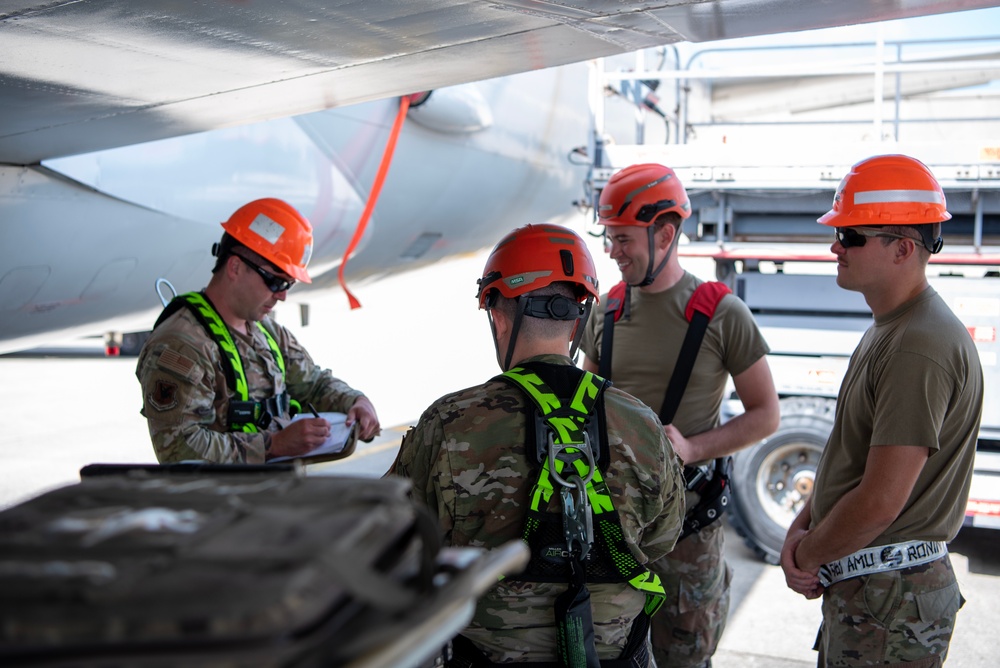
<point x="741" y="431"/>
<point x="851" y="525"/>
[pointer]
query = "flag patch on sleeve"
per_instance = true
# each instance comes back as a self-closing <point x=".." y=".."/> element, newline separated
<point x="171" y="360"/>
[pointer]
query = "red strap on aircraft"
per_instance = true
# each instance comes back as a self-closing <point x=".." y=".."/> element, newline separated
<point x="383" y="169"/>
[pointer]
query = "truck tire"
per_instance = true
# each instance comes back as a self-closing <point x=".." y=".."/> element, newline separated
<point x="772" y="479"/>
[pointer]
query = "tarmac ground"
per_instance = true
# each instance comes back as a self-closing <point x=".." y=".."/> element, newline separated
<point x="70" y="407"/>
<point x="67" y="406"/>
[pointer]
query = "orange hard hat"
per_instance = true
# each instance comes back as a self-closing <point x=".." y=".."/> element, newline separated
<point x="638" y="194"/>
<point x="887" y="190"/>
<point x="534" y="256"/>
<point x="277" y="232"/>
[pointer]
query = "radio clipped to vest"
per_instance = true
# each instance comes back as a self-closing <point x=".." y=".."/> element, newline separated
<point x="710" y="482"/>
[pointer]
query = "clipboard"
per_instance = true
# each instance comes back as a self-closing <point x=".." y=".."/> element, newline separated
<point x="340" y="444"/>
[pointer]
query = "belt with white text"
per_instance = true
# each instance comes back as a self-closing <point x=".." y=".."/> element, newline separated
<point x="882" y="558"/>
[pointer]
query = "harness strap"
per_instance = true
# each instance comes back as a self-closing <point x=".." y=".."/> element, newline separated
<point x="286" y="403"/>
<point x="699" y="311"/>
<point x="244" y="415"/>
<point x="618" y="306"/>
<point x="570" y="460"/>
<point x="567" y="427"/>
<point x="714" y="487"/>
<point x="575" y="642"/>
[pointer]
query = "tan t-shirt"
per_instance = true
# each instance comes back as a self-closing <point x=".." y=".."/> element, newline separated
<point x="914" y="379"/>
<point x="647" y="344"/>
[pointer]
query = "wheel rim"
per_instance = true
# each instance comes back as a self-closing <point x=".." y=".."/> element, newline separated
<point x="785" y="480"/>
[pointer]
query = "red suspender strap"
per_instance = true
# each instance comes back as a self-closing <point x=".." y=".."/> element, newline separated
<point x="706" y="299"/>
<point x="700" y="309"/>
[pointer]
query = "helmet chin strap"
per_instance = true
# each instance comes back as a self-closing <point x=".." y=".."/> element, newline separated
<point x="522" y="305"/>
<point x="505" y="361"/>
<point x="496" y="342"/>
<point x="578" y="328"/>
<point x="651" y="273"/>
<point x="515" y="328"/>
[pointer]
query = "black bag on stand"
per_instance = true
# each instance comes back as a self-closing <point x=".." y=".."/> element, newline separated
<point x="206" y="565"/>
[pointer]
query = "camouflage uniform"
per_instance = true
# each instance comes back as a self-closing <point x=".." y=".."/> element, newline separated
<point x="697" y="581"/>
<point x="186" y="398"/>
<point x="900" y="618"/>
<point x="467" y="460"/>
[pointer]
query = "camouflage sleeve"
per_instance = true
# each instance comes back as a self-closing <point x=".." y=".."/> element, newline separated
<point x="645" y="475"/>
<point x="661" y="535"/>
<point x="307" y="382"/>
<point x="180" y="392"/>
<point x="417" y="460"/>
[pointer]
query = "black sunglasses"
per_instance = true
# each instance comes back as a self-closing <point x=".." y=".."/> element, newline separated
<point x="273" y="283"/>
<point x="850" y="237"/>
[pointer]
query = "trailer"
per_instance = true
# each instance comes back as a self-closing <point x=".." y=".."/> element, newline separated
<point x="757" y="184"/>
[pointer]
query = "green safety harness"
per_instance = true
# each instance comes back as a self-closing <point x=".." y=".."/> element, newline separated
<point x="585" y="542"/>
<point x="244" y="414"/>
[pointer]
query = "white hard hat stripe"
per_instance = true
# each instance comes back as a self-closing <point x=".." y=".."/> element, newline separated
<point x="268" y="228"/>
<point x="889" y="196"/>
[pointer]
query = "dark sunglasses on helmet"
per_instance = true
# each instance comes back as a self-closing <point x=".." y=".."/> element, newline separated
<point x="273" y="283"/>
<point x="850" y="237"/>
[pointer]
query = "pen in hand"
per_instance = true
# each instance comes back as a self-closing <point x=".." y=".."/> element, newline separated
<point x="312" y="409"/>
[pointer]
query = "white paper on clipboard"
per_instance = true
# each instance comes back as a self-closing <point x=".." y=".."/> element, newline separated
<point x="340" y="435"/>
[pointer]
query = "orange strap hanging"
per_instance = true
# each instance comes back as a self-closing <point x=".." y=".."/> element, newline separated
<point x="383" y="169"/>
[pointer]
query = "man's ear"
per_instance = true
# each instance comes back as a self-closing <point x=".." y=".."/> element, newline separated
<point x="905" y="249"/>
<point x="501" y="323"/>
<point x="665" y="236"/>
<point x="233" y="266"/>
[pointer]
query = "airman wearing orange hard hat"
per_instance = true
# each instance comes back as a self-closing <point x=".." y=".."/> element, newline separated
<point x="673" y="341"/>
<point x="554" y="456"/>
<point x="221" y="380"/>
<point x="893" y="480"/>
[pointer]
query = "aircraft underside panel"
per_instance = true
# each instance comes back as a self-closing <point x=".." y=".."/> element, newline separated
<point x="86" y="237"/>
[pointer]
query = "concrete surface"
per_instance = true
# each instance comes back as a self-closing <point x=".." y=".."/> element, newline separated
<point x="67" y="406"/>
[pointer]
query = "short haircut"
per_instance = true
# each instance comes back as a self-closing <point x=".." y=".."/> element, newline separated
<point x="228" y="245"/>
<point x="668" y="218"/>
<point x="926" y="232"/>
<point x="546" y="328"/>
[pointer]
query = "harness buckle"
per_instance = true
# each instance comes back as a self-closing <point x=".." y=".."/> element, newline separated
<point x="695" y="475"/>
<point x="583" y="450"/>
<point x="578" y="524"/>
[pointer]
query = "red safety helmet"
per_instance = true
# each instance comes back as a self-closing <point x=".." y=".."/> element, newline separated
<point x="277" y="232"/>
<point x="887" y="190"/>
<point x="637" y="195"/>
<point x="534" y="256"/>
